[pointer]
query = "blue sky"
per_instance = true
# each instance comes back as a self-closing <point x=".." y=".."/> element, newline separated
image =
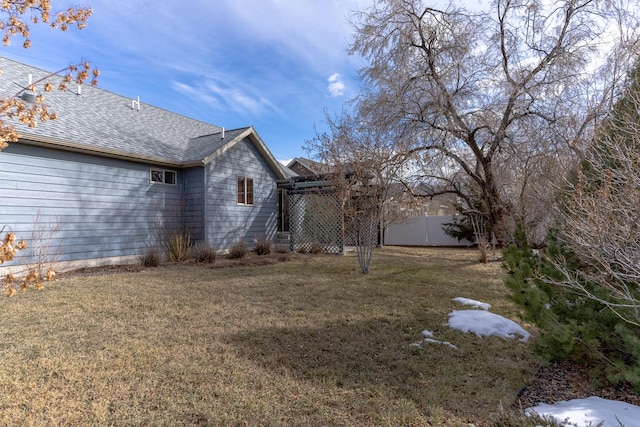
<point x="271" y="64"/>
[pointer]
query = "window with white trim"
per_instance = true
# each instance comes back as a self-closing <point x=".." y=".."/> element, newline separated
<point x="245" y="191"/>
<point x="162" y="176"/>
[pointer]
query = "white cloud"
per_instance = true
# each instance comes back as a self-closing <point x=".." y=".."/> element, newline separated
<point x="315" y="32"/>
<point x="193" y="92"/>
<point x="336" y="86"/>
<point x="243" y="99"/>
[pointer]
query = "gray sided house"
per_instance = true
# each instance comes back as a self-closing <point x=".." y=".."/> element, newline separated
<point x="105" y="181"/>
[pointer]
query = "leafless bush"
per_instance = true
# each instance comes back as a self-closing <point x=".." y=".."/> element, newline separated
<point x="176" y="229"/>
<point x="316" y="248"/>
<point x="152" y="257"/>
<point x="238" y="250"/>
<point x="8" y="250"/>
<point x="178" y="245"/>
<point x="263" y="245"/>
<point x="203" y="253"/>
<point x="44" y="247"/>
<point x="600" y="219"/>
<point x="481" y="235"/>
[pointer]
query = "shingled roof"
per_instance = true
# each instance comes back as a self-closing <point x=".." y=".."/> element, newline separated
<point x="94" y="120"/>
<point x="304" y="166"/>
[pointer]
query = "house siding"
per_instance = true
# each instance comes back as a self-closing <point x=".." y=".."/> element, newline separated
<point x="100" y="208"/>
<point x="227" y="222"/>
<point x="193" y="186"/>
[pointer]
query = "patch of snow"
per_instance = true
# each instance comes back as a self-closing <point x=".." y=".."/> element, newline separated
<point x="447" y="343"/>
<point x="429" y="338"/>
<point x="473" y="303"/>
<point x="590" y="412"/>
<point x="484" y="324"/>
<point x="427" y="333"/>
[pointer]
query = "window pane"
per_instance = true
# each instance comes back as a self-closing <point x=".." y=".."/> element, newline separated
<point x="169" y="177"/>
<point x="249" y="191"/>
<point x="156" y="176"/>
<point x="241" y="189"/>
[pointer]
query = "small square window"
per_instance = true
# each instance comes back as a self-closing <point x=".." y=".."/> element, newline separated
<point x="162" y="176"/>
<point x="157" y="176"/>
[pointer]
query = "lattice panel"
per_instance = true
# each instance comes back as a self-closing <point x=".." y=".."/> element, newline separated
<point x="315" y="222"/>
<point x="361" y="231"/>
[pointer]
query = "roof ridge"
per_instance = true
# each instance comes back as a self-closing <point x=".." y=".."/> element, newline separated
<point x="101" y="89"/>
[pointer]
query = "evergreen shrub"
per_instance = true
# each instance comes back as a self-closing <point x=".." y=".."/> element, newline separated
<point x="572" y="326"/>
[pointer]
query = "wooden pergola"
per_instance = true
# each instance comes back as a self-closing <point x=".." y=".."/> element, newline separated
<point x="311" y="214"/>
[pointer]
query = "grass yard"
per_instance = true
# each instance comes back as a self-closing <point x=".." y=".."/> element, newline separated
<point x="307" y="342"/>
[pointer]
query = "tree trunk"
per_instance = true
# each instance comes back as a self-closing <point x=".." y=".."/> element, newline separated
<point x="500" y="217"/>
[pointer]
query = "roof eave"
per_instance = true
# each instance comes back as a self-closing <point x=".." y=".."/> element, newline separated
<point x="258" y="143"/>
<point x="50" y="142"/>
<point x="262" y="147"/>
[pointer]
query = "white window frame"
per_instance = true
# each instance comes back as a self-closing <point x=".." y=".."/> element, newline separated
<point x="161" y="176"/>
<point x="245" y="199"/>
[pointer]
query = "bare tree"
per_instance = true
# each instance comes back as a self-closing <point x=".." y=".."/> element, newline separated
<point x="528" y="180"/>
<point x="367" y="174"/>
<point x="599" y="217"/>
<point x="470" y="89"/>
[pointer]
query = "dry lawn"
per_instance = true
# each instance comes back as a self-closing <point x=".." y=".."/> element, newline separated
<point x="307" y="342"/>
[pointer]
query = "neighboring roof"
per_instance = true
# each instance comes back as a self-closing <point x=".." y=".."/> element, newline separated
<point x="100" y="122"/>
<point x="288" y="172"/>
<point x="304" y="166"/>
